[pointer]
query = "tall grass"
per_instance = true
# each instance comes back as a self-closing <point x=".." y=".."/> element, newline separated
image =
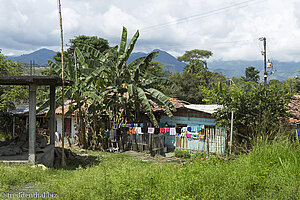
<point x="270" y="171"/>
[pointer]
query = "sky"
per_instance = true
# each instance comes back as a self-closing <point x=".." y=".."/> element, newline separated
<point x="229" y="28"/>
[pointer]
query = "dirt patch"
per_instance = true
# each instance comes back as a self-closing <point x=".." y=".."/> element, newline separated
<point x="167" y="157"/>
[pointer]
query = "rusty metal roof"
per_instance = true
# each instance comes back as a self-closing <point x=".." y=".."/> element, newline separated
<point x="294" y="109"/>
<point x="176" y="102"/>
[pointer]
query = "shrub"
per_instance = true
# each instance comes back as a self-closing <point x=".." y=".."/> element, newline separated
<point x="182" y="153"/>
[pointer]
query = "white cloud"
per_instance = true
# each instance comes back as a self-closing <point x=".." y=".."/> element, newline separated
<point x="231" y="32"/>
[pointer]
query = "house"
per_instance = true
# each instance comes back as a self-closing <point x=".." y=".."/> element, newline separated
<point x="187" y="115"/>
<point x="193" y="115"/>
<point x="70" y="122"/>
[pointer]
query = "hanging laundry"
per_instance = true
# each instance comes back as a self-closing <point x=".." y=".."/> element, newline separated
<point x="156" y="131"/>
<point x="198" y="129"/>
<point x="151" y="130"/>
<point x="202" y="137"/>
<point x="184" y="129"/>
<point x="167" y="130"/>
<point x="189" y="129"/>
<point x="123" y="125"/>
<point x="131" y="125"/>
<point x="131" y="130"/>
<point x="138" y="130"/>
<point x="172" y="131"/>
<point x="178" y="130"/>
<point x="136" y="125"/>
<point x="194" y="129"/>
<point x="188" y="135"/>
<point x="128" y="125"/>
<point x="162" y="130"/>
<point x="107" y="134"/>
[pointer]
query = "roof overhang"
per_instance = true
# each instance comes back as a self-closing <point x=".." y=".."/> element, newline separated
<point x="204" y="108"/>
<point x="38" y="80"/>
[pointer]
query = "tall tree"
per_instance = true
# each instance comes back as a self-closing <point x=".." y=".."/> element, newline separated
<point x="251" y="74"/>
<point x="10" y="95"/>
<point x="258" y="112"/>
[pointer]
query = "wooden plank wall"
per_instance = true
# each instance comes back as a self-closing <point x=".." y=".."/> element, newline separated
<point x="155" y="143"/>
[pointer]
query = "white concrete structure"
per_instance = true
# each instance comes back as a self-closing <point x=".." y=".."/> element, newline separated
<point x="72" y="127"/>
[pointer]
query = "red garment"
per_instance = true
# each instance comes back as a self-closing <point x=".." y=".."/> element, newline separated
<point x="162" y="130"/>
<point x="188" y="135"/>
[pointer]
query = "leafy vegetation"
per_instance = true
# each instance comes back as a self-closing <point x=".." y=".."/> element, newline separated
<point x="269" y="171"/>
<point x="182" y="153"/>
<point x="104" y="84"/>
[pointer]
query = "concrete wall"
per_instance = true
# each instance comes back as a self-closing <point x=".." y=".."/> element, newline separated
<point x="59" y="127"/>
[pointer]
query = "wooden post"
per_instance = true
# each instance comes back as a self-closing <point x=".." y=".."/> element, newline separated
<point x="62" y="88"/>
<point x="231" y="130"/>
<point x="207" y="140"/>
<point x="13" y="128"/>
<point x="32" y="123"/>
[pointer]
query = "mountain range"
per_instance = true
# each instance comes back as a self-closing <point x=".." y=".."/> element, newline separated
<point x="40" y="57"/>
<point x="281" y="70"/>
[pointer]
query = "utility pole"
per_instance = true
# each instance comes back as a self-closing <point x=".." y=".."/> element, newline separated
<point x="264" y="53"/>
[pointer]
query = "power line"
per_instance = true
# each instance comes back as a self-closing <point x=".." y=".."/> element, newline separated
<point x="201" y="15"/>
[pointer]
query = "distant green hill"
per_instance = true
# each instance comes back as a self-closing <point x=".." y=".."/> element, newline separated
<point x="170" y="62"/>
<point x="40" y="57"/>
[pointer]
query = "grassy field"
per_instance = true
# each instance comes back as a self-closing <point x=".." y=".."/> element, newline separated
<point x="268" y="172"/>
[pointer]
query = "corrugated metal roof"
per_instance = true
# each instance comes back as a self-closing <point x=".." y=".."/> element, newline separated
<point x="23" y="111"/>
<point x="204" y="108"/>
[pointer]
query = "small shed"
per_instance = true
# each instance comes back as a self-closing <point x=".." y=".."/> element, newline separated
<point x="194" y="115"/>
<point x="33" y="82"/>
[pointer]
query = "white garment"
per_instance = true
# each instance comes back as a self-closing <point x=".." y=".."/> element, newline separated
<point x="151" y="130"/>
<point x="184" y="129"/>
<point x="138" y="130"/>
<point x="172" y="131"/>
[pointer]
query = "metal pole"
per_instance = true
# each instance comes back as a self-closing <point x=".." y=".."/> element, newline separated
<point x="231" y="130"/>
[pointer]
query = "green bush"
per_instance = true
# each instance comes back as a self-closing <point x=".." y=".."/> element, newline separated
<point x="182" y="153"/>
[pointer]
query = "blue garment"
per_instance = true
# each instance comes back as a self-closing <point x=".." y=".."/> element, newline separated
<point x="189" y="129"/>
<point x="198" y="129"/>
<point x="107" y="134"/>
<point x="193" y="129"/>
